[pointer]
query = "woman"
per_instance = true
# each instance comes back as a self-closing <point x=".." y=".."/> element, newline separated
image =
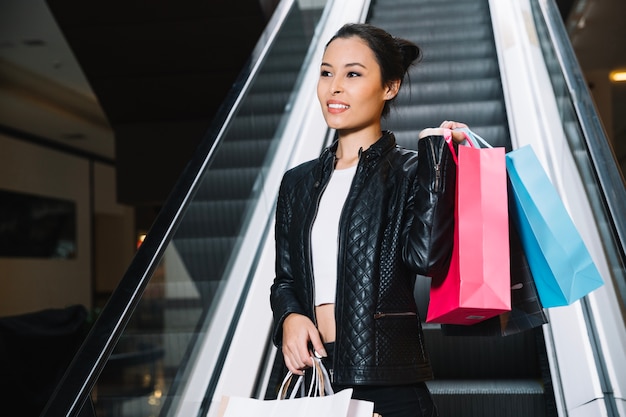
<point x="355" y="226"/>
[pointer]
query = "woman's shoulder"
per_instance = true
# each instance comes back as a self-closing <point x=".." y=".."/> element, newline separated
<point x="403" y="152"/>
<point x="302" y="168"/>
<point x="402" y="162"/>
<point x="297" y="173"/>
<point x="404" y="156"/>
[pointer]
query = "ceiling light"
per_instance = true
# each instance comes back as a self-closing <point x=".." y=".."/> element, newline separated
<point x="618" y="76"/>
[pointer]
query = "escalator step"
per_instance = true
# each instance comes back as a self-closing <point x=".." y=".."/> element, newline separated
<point x="454" y="70"/>
<point x="495" y="135"/>
<point x="221" y="218"/>
<point x="482" y="357"/>
<point x="462" y="49"/>
<point x="411" y="11"/>
<point x="265" y="102"/>
<point x="430" y="24"/>
<point x="442" y="35"/>
<point x="434" y="92"/>
<point x="241" y="153"/>
<point x="429" y="115"/>
<point x="275" y="81"/>
<point x="229" y="184"/>
<point x="502" y="398"/>
<point x="206" y="257"/>
<point x="255" y="125"/>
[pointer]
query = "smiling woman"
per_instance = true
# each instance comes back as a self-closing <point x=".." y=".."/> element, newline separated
<point x="355" y="226"/>
<point x="354" y="90"/>
<point x="351" y="90"/>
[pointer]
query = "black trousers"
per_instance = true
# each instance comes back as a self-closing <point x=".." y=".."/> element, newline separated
<point x="412" y="400"/>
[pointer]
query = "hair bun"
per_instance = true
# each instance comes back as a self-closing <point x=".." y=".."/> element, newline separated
<point x="410" y="52"/>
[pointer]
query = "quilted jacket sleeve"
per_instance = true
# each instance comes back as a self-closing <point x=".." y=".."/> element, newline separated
<point x="429" y="234"/>
<point x="283" y="295"/>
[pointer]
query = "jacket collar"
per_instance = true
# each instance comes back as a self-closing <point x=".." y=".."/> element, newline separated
<point x="327" y="159"/>
<point x="380" y="147"/>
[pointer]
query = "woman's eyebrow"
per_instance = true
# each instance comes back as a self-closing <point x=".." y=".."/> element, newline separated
<point x="355" y="64"/>
<point x="350" y="64"/>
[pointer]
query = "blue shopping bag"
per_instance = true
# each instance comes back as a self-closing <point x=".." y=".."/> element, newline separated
<point x="560" y="263"/>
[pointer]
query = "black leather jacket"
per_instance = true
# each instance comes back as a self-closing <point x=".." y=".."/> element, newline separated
<point x="397" y="222"/>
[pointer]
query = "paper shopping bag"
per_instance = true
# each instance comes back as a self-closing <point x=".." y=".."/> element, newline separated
<point x="336" y="405"/>
<point x="319" y="400"/>
<point x="477" y="284"/>
<point x="526" y="310"/>
<point x="559" y="260"/>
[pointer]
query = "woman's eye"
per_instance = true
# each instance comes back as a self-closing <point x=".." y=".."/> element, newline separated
<point x="353" y="74"/>
<point x="324" y="73"/>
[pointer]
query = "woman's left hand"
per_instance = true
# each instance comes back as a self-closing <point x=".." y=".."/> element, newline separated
<point x="458" y="137"/>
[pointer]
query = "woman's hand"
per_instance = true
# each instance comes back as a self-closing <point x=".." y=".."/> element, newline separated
<point x="298" y="331"/>
<point x="458" y="137"/>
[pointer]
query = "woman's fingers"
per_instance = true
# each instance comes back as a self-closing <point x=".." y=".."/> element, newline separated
<point x="451" y="124"/>
<point x="458" y="137"/>
<point x="431" y="131"/>
<point x="294" y="367"/>
<point x="316" y="341"/>
<point x="298" y="331"/>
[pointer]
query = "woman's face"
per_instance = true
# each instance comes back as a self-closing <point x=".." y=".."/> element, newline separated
<point x="350" y="88"/>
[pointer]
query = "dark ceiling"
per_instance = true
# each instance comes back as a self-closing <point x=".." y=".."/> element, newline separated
<point x="160" y="70"/>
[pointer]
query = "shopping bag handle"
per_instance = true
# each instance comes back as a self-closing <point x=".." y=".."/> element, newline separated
<point x="472" y="140"/>
<point x="447" y="135"/>
<point x="320" y="382"/>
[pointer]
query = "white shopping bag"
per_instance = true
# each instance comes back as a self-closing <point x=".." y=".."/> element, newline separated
<point x="321" y="401"/>
<point x="335" y="405"/>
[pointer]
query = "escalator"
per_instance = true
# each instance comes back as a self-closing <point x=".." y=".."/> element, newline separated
<point x="194" y="300"/>
<point x="192" y="249"/>
<point x="459" y="79"/>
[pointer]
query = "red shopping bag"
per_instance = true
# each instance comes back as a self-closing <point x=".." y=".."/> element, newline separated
<point x="477" y="286"/>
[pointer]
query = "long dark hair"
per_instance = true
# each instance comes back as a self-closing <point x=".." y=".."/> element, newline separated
<point x="394" y="55"/>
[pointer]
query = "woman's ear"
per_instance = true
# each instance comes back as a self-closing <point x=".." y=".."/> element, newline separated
<point x="392" y="89"/>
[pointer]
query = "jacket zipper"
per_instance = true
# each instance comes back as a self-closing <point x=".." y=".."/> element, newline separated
<point x="317" y="206"/>
<point x="380" y="315"/>
<point x="437" y="166"/>
<point x="340" y="250"/>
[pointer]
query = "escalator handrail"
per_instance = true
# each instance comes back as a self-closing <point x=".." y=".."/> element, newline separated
<point x="603" y="324"/>
<point x="609" y="177"/>
<point x="82" y="373"/>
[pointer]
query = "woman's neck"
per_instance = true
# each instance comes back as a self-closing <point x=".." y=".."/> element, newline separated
<point x="352" y="144"/>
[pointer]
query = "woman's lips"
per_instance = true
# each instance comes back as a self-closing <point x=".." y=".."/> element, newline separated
<point x="336" y="107"/>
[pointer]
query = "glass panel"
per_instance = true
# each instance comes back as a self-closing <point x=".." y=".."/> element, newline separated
<point x="150" y="361"/>
<point x="572" y="124"/>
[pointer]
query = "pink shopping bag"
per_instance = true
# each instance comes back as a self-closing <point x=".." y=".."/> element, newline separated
<point x="477" y="286"/>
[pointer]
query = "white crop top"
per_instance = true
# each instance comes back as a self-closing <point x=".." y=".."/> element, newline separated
<point x="325" y="235"/>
